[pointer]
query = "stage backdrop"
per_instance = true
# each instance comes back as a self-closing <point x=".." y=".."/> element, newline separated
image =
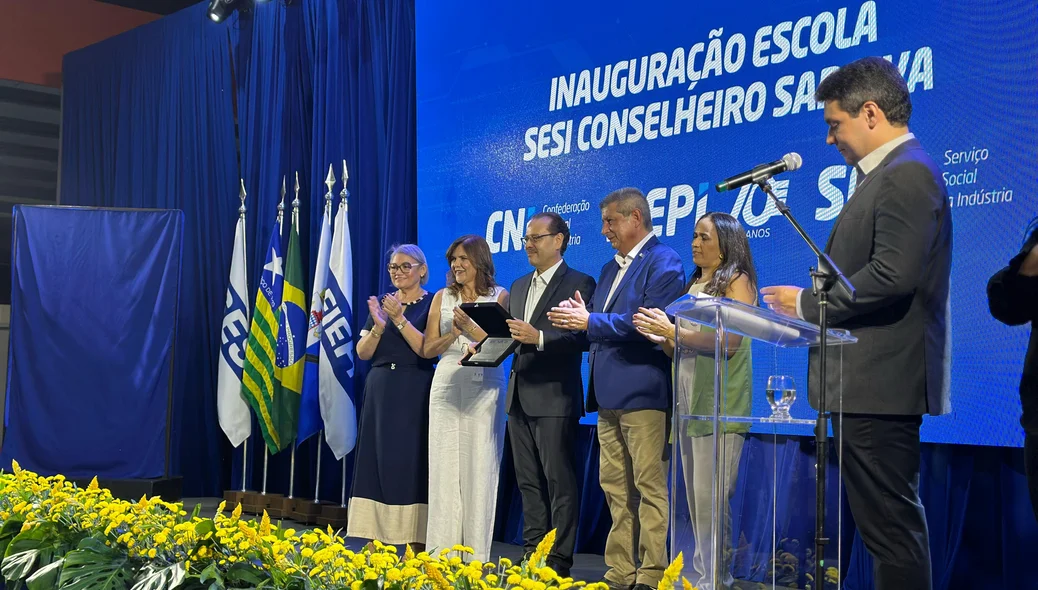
<point x="548" y="106"/>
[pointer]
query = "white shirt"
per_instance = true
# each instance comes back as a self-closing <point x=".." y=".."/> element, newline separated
<point x="538" y="284"/>
<point x="625" y="263"/>
<point x="865" y="166"/>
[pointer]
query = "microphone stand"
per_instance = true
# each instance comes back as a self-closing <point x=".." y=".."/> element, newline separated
<point x="823" y="278"/>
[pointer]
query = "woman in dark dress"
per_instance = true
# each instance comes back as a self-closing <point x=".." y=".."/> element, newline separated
<point x="390" y="481"/>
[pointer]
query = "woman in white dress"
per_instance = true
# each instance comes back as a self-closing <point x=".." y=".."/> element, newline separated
<point x="466" y="408"/>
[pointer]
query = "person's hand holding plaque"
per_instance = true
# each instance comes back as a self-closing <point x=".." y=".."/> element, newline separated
<point x="523" y="332"/>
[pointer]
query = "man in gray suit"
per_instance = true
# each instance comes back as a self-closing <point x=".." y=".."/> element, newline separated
<point x="893" y="241"/>
<point x="546" y="392"/>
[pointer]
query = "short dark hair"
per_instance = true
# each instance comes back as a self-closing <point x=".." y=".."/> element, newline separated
<point x="479" y="253"/>
<point x="869" y="78"/>
<point x="556" y="225"/>
<point x="628" y="199"/>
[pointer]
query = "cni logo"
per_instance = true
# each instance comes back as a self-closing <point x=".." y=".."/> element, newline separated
<point x="512" y="226"/>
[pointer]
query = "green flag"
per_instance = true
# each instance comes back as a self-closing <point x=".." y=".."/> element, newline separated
<point x="259" y="373"/>
<point x="291" y="342"/>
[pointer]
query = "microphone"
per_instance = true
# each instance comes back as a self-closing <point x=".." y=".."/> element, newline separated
<point x="788" y="163"/>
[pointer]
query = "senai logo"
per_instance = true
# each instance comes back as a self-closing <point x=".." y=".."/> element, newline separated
<point x="505" y="229"/>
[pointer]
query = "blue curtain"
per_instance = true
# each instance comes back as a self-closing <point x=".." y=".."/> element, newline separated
<point x="320" y="82"/>
<point x="148" y="122"/>
<point x="95" y="297"/>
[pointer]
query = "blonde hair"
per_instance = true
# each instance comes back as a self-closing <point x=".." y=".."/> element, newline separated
<point x="412" y="251"/>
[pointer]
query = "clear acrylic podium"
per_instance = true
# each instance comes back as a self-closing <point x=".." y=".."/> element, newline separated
<point x="743" y="498"/>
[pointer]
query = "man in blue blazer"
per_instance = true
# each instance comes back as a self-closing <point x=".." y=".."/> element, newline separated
<point x="630" y="387"/>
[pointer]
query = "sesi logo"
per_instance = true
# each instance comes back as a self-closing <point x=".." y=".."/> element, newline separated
<point x="506" y="228"/>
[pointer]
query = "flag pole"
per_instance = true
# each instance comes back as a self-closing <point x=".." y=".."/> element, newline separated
<point x="245" y="265"/>
<point x="343" y="501"/>
<point x="317" y="479"/>
<point x="344" y="195"/>
<point x="244" y="462"/>
<point x="292" y="461"/>
<point x="266" y="458"/>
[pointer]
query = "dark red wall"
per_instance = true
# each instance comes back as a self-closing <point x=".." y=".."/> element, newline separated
<point x="36" y="34"/>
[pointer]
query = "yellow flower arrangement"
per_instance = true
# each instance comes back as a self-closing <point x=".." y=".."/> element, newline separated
<point x="72" y="537"/>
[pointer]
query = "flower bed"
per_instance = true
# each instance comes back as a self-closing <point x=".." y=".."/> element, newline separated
<point x="54" y="534"/>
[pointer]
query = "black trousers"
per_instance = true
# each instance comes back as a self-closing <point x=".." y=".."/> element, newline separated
<point x="542" y="451"/>
<point x="881" y="476"/>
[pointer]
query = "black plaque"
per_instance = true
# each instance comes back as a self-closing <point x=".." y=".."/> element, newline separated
<point x="498" y="345"/>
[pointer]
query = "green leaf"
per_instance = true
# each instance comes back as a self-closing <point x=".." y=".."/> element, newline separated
<point x="51" y="539"/>
<point x="154" y="577"/>
<point x="369" y="585"/>
<point x="245" y="573"/>
<point x="45" y="578"/>
<point x="9" y="531"/>
<point x="196" y="511"/>
<point x="211" y="573"/>
<point x="205" y="526"/>
<point x="95" y="566"/>
<point x="98" y="546"/>
<point x="18" y="565"/>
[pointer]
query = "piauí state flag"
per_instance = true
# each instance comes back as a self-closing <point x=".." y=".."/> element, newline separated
<point x="338" y="408"/>
<point x="310" y="422"/>
<point x="291" y="343"/>
<point x="231" y="407"/>
<point x="258" y="376"/>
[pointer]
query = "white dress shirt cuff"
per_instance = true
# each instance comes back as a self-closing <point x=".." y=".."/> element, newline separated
<point x="540" y="340"/>
<point x="800" y="312"/>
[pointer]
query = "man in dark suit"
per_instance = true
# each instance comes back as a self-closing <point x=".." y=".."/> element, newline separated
<point x="1013" y="300"/>
<point x="546" y="391"/>
<point x="893" y="241"/>
<point x="630" y="386"/>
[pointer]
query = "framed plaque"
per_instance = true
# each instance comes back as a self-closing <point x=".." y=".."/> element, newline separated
<point x="498" y="345"/>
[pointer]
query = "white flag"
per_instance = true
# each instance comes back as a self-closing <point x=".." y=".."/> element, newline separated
<point x="231" y="408"/>
<point x="338" y="410"/>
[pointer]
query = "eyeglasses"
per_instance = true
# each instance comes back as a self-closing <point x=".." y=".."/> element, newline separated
<point x="404" y="268"/>
<point x="527" y="239"/>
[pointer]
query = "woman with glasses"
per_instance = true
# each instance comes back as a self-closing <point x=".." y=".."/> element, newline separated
<point x="466" y="407"/>
<point x="390" y="477"/>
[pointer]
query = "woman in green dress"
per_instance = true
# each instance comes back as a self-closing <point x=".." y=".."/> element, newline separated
<point x="724" y="268"/>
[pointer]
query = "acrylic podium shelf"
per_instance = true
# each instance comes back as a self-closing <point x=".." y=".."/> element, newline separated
<point x="769" y="537"/>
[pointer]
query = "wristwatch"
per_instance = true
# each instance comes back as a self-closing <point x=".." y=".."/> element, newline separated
<point x="401" y="325"/>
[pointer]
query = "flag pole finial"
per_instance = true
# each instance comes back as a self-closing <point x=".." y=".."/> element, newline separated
<point x="329" y="181"/>
<point x="242" y="195"/>
<point x="295" y="202"/>
<point x="281" y="205"/>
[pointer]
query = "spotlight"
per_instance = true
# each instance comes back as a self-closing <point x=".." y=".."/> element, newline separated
<point x="220" y="10"/>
